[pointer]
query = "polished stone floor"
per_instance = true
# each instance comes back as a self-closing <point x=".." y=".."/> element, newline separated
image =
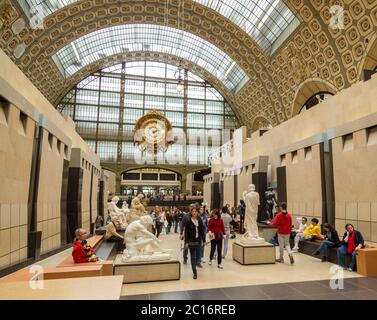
<point x="307" y="278"/>
<point x="353" y="289"/>
<point x="306" y="268"/>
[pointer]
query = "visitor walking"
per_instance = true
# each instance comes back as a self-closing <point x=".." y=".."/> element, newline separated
<point x="194" y="238"/>
<point x="283" y="220"/>
<point x="186" y="217"/>
<point x="203" y="216"/>
<point x="227" y="218"/>
<point x="241" y="211"/>
<point x="169" y="222"/>
<point x="216" y="233"/>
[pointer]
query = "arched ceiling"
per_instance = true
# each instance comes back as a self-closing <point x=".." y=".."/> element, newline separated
<point x="265" y="21"/>
<point x="154" y="38"/>
<point x="315" y="50"/>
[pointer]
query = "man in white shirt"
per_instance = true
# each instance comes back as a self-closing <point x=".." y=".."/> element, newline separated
<point x="302" y="224"/>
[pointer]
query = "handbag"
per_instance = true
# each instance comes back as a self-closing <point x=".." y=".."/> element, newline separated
<point x="219" y="235"/>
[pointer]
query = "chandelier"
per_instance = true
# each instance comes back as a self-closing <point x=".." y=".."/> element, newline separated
<point x="153" y="133"/>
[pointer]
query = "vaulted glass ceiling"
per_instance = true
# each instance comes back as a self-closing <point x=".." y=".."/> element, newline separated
<point x="148" y="37"/>
<point x="268" y="22"/>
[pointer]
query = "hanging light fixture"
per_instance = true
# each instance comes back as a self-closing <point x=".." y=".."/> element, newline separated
<point x="180" y="85"/>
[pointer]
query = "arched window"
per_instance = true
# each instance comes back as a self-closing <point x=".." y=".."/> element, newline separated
<point x="200" y="111"/>
<point x="315" y="99"/>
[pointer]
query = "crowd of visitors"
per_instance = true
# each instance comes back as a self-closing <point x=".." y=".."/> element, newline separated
<point x="197" y="227"/>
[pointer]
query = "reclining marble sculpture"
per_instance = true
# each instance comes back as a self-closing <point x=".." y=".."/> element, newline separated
<point x="141" y="245"/>
<point x="116" y="212"/>
<point x="251" y="236"/>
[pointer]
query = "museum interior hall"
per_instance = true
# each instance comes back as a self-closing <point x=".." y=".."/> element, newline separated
<point x="188" y="150"/>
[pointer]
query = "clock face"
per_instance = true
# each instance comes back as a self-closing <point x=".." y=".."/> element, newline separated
<point x="154" y="131"/>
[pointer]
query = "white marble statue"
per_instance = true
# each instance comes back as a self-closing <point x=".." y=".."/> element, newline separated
<point x="125" y="207"/>
<point x="137" y="205"/>
<point x="116" y="212"/>
<point x="141" y="245"/>
<point x="251" y="198"/>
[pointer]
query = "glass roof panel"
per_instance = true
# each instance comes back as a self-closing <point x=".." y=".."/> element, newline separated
<point x="148" y="37"/>
<point x="263" y="20"/>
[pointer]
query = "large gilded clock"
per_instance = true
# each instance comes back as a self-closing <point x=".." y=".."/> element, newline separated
<point x="153" y="132"/>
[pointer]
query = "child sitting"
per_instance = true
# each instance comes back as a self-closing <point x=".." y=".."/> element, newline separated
<point x="312" y="231"/>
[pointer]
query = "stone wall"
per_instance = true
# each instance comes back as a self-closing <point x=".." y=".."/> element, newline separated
<point x="16" y="148"/>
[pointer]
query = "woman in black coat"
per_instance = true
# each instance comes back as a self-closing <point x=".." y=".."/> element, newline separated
<point x="330" y="240"/>
<point x="194" y="239"/>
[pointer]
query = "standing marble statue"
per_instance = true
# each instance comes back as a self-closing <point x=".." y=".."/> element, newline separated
<point x="114" y="211"/>
<point x="141" y="245"/>
<point x="251" y="198"/>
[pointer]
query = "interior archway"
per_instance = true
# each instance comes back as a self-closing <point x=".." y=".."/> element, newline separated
<point x="309" y="88"/>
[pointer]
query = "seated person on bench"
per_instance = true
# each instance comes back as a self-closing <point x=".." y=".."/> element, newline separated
<point x="82" y="250"/>
<point x="301" y="227"/>
<point x="113" y="235"/>
<point x="312" y="231"/>
<point x="330" y="240"/>
<point x="351" y="243"/>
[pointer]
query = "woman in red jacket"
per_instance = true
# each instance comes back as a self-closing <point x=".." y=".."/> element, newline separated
<point x="217" y="233"/>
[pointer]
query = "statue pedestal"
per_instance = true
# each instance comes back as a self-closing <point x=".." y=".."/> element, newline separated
<point x="266" y="232"/>
<point x="134" y="272"/>
<point x="259" y="253"/>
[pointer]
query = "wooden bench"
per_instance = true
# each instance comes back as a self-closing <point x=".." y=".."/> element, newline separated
<point x="366" y="261"/>
<point x="94" y="241"/>
<point x="55" y="273"/>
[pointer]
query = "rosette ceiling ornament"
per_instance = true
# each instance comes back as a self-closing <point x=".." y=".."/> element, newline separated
<point x="153" y="133"/>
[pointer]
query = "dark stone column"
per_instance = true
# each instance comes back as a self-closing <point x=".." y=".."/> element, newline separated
<point x="63" y="203"/>
<point x="101" y="199"/>
<point x="215" y="196"/>
<point x="75" y="178"/>
<point x="259" y="179"/>
<point x="327" y="182"/>
<point x="34" y="237"/>
<point x="281" y="174"/>
<point x="235" y="188"/>
<point x="221" y="192"/>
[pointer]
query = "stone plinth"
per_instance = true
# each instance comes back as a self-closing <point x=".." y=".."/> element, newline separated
<point x="260" y="253"/>
<point x="134" y="272"/>
<point x="266" y="232"/>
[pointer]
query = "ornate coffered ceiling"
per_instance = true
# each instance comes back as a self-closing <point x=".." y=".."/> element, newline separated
<point x="314" y="51"/>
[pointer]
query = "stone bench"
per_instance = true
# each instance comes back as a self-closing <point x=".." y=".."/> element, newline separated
<point x="310" y="246"/>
